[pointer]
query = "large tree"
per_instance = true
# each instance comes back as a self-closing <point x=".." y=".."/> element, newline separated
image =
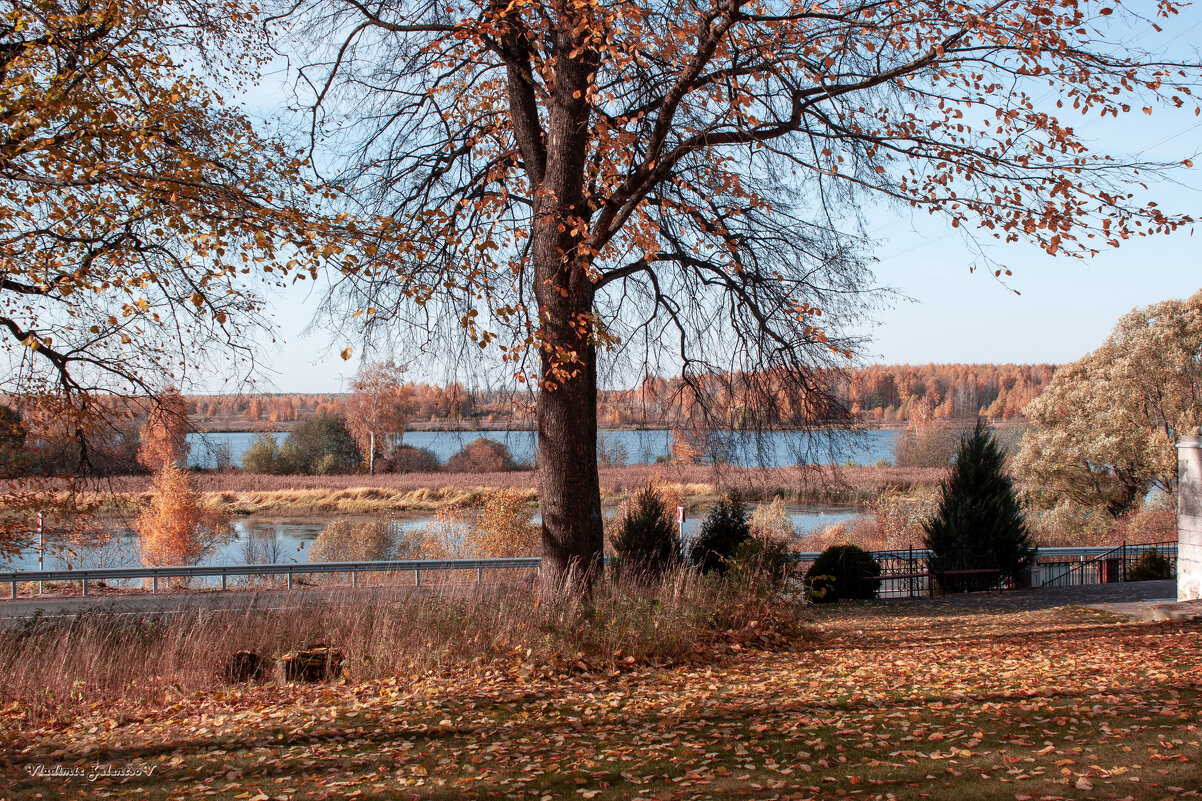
<point x="139" y="216"/>
<point x="683" y="177"/>
<point x="1105" y="430"/>
<point x="377" y="407"/>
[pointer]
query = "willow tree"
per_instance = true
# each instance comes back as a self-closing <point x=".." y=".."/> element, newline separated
<point x="138" y="216"/>
<point x="1104" y="432"/>
<point x="683" y="176"/>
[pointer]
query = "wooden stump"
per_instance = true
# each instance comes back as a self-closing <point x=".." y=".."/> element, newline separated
<point x="246" y="666"/>
<point x="320" y="663"/>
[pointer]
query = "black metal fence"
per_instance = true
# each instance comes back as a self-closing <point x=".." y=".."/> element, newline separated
<point x="1148" y="561"/>
<point x="907" y="573"/>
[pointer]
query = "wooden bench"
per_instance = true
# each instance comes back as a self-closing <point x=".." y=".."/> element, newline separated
<point x="961" y="564"/>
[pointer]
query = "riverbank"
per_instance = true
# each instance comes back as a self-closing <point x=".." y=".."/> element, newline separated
<point x="698" y="486"/>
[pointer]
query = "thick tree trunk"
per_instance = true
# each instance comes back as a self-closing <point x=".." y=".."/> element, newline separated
<point x="568" y="484"/>
<point x="555" y="157"/>
<point x="569" y="493"/>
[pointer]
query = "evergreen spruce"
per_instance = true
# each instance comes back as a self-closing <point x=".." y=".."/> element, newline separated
<point x="646" y="539"/>
<point x="722" y="532"/>
<point x="978" y="511"/>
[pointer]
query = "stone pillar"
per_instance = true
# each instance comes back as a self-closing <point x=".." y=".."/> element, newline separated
<point x="1189" y="518"/>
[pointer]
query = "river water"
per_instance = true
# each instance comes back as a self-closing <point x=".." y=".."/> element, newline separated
<point x="773" y="449"/>
<point x="259" y="540"/>
<point x="286" y="539"/>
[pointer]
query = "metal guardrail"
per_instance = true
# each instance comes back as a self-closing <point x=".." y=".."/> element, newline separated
<point x="416" y="566"/>
<point x="1045" y="558"/>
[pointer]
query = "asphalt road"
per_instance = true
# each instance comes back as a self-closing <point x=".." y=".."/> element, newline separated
<point x="14" y="612"/>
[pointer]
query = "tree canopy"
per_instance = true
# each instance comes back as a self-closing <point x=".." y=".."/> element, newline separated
<point x="1104" y="431"/>
<point x="140" y="216"/>
<point x="379" y="405"/>
<point x="682" y="181"/>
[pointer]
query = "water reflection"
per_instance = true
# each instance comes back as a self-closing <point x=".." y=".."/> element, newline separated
<point x="281" y="540"/>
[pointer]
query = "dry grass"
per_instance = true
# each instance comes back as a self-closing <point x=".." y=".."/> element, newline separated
<point x="51" y="669"/>
<point x="893" y="521"/>
<point x="249" y="493"/>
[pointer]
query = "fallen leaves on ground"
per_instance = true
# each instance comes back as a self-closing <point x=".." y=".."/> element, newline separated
<point x="882" y="701"/>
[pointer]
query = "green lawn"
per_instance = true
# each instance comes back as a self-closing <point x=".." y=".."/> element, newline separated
<point x="883" y="701"/>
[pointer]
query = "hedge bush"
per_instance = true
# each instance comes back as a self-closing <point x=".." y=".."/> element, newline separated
<point x="842" y="571"/>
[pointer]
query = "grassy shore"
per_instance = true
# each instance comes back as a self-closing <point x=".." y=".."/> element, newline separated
<point x="882" y="702"/>
<point x="250" y="493"/>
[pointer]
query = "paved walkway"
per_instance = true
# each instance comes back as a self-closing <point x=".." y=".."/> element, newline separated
<point x="1129" y="597"/>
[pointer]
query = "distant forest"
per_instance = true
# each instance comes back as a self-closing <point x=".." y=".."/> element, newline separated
<point x="887" y="395"/>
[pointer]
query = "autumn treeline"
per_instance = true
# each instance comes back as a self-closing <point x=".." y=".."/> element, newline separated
<point x="883" y="394"/>
<point x="909" y="393"/>
<point x="427" y="403"/>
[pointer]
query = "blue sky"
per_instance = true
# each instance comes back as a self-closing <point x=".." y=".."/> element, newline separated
<point x="1052" y="309"/>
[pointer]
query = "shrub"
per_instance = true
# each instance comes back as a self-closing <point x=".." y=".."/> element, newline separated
<point x="1150" y="566"/>
<point x="1152" y="522"/>
<point x="842" y="571"/>
<point x="262" y="456"/>
<point x="978" y="511"/>
<point x="321" y="445"/>
<point x="771" y="521"/>
<point x="929" y="446"/>
<point x="175" y="529"/>
<point x="482" y="455"/>
<point x="408" y="459"/>
<point x="501" y="528"/>
<point x="722" y="532"/>
<point x="1070" y="524"/>
<point x="347" y="540"/>
<point x="764" y="558"/>
<point x="646" y="539"/>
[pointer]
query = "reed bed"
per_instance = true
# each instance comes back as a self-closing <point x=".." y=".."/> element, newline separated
<point x="252" y="493"/>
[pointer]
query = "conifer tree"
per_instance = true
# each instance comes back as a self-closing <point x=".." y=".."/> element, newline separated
<point x="722" y="532"/>
<point x="646" y="538"/>
<point x="978" y="511"/>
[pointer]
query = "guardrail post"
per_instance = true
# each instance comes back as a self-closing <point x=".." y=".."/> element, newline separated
<point x="354" y="578"/>
<point x="479" y="575"/>
<point x="223" y="582"/>
<point x="14" y="589"/>
<point x="417" y="577"/>
<point x="154" y="584"/>
<point x="289" y="579"/>
<point x="85" y="587"/>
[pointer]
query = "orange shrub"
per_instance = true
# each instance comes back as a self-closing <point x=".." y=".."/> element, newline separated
<point x="502" y="527"/>
<point x="175" y="529"/>
<point x="482" y="455"/>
